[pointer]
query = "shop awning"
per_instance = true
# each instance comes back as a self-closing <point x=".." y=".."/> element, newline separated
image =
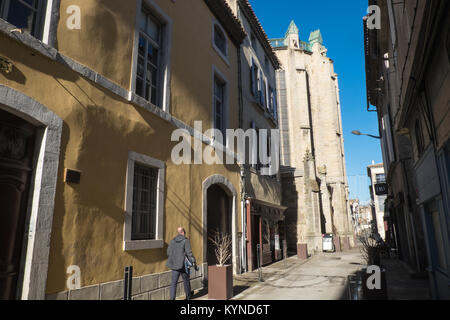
<point x="267" y="210"/>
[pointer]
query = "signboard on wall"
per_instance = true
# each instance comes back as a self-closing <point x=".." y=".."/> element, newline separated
<point x="381" y="189"/>
<point x="277" y="242"/>
<point x="328" y="243"/>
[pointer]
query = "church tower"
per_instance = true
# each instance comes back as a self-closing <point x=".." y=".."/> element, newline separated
<point x="314" y="179"/>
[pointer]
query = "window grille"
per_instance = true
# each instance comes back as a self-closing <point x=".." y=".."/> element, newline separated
<point x="144" y="202"/>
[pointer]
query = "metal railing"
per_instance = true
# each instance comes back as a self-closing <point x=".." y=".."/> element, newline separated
<point x="277" y="43"/>
<point x="282" y="42"/>
<point x="305" y="46"/>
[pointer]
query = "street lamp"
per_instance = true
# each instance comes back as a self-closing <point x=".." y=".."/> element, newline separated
<point x="358" y="133"/>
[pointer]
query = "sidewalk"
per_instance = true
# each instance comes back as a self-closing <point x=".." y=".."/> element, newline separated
<point x="321" y="277"/>
<point x="403" y="283"/>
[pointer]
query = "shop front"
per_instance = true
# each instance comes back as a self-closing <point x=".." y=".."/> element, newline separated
<point x="265" y="232"/>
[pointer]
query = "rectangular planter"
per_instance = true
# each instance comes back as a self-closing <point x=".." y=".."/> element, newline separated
<point x="220" y="282"/>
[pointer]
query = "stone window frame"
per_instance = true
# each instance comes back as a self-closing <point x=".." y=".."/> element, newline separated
<point x="165" y="63"/>
<point x="32" y="282"/>
<point x="158" y="242"/>
<point x="48" y="22"/>
<point x="216" y="74"/>
<point x="223" y="55"/>
<point x="155" y="43"/>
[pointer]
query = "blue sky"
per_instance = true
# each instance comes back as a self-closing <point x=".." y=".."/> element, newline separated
<point x="341" y="25"/>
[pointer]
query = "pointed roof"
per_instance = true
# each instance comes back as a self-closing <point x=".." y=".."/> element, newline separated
<point x="229" y="21"/>
<point x="293" y="29"/>
<point x="315" y="36"/>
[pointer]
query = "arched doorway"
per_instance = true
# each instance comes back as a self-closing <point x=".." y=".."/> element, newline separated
<point x="17" y="139"/>
<point x="219" y="218"/>
<point x="220" y="209"/>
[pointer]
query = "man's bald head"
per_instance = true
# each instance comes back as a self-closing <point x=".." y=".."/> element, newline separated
<point x="181" y="231"/>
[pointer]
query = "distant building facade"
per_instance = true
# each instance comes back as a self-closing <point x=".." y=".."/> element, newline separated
<point x="315" y="187"/>
<point x="366" y="217"/>
<point x="378" y="197"/>
<point x="361" y="217"/>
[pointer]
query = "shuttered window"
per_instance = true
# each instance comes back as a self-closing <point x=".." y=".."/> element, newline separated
<point x="219" y="105"/>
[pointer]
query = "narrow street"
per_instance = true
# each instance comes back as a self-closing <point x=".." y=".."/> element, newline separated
<point x="322" y="277"/>
<point x="156" y="150"/>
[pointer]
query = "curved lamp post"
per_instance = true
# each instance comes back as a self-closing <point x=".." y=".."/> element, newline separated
<point x="358" y="133"/>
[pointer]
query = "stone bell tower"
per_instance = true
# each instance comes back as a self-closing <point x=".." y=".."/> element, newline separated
<point x="292" y="37"/>
<point x="312" y="151"/>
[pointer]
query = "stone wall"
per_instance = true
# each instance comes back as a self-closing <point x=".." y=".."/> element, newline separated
<point x="150" y="287"/>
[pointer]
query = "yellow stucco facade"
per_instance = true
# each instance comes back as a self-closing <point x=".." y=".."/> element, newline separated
<point x="100" y="128"/>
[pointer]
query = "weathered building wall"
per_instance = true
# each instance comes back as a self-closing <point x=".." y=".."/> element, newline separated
<point x="100" y="127"/>
<point x="411" y="52"/>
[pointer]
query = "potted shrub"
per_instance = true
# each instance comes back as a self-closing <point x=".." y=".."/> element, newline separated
<point x="371" y="252"/>
<point x="220" y="276"/>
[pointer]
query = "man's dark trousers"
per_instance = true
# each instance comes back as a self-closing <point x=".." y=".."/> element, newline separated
<point x="187" y="284"/>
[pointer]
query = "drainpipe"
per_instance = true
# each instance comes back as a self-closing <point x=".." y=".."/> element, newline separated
<point x="243" y="222"/>
<point x="244" y="240"/>
<point x="242" y="168"/>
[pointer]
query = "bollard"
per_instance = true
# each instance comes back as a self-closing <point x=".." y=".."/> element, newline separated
<point x="258" y="257"/>
<point x="128" y="283"/>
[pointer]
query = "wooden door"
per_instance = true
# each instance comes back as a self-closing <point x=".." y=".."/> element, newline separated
<point x="17" y="139"/>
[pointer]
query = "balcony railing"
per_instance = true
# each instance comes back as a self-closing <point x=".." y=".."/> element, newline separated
<point x="305" y="46"/>
<point x="277" y="43"/>
<point x="282" y="42"/>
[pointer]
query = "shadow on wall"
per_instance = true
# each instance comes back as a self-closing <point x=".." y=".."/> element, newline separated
<point x="16" y="75"/>
<point x="290" y="200"/>
<point x="268" y="187"/>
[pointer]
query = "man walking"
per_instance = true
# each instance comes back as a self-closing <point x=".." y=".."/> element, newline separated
<point x="179" y="249"/>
